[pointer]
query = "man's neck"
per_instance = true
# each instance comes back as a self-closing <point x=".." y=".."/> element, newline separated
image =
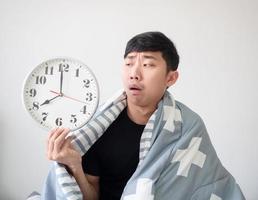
<point x="139" y="114"/>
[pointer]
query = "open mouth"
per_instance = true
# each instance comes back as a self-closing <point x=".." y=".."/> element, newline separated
<point x="134" y="88"/>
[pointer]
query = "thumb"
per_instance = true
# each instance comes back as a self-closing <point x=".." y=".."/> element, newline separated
<point x="68" y="141"/>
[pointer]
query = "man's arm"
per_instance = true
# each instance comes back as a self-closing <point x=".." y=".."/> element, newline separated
<point x="60" y="149"/>
<point x="88" y="184"/>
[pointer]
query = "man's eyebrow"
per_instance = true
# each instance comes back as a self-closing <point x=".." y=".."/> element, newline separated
<point x="150" y="57"/>
<point x="130" y="56"/>
<point x="144" y="56"/>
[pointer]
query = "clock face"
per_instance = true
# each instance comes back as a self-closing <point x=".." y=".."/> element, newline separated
<point x="61" y="92"/>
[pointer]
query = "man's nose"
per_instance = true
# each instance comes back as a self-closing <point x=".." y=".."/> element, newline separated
<point x="135" y="72"/>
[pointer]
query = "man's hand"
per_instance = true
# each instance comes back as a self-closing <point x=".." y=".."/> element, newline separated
<point x="60" y="149"/>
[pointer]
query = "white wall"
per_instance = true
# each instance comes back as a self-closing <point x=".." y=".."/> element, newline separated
<point x="218" y="44"/>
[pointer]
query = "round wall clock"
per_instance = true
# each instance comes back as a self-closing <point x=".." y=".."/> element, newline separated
<point x="61" y="92"/>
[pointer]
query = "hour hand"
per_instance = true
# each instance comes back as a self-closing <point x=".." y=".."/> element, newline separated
<point x="49" y="100"/>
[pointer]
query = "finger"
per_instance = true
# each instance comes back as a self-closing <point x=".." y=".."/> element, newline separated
<point x="50" y="134"/>
<point x="59" y="141"/>
<point x="68" y="141"/>
<point x="52" y="139"/>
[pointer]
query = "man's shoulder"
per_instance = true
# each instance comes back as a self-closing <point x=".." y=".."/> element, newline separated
<point x="189" y="117"/>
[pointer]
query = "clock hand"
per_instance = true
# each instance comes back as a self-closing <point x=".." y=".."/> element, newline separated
<point x="61" y="81"/>
<point x="48" y="100"/>
<point x="63" y="95"/>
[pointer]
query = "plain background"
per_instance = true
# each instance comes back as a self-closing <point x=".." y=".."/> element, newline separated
<point x="217" y="42"/>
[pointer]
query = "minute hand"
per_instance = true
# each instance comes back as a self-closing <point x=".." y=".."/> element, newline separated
<point x="61" y="82"/>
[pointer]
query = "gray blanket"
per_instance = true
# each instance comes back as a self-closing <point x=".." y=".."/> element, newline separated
<point x="177" y="159"/>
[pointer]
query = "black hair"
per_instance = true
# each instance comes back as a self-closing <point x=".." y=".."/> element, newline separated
<point x="155" y="41"/>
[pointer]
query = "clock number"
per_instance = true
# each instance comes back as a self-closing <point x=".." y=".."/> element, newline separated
<point x="59" y="121"/>
<point x="33" y="92"/>
<point x="89" y="96"/>
<point x="44" y="114"/>
<point x="86" y="83"/>
<point x="41" y="80"/>
<point x="63" y="67"/>
<point x="74" y="119"/>
<point x="49" y="71"/>
<point x="35" y="105"/>
<point x="83" y="110"/>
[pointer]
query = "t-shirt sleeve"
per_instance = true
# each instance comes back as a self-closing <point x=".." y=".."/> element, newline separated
<point x="90" y="162"/>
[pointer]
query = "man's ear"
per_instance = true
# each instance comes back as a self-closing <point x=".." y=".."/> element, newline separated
<point x="172" y="77"/>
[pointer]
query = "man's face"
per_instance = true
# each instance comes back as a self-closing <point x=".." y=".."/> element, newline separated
<point x="145" y="78"/>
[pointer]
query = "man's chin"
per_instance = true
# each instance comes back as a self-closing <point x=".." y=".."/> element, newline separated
<point x="136" y="101"/>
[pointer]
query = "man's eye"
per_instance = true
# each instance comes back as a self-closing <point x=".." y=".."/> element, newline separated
<point x="128" y="64"/>
<point x="148" y="65"/>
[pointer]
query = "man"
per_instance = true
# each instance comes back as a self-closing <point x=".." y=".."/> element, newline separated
<point x="140" y="154"/>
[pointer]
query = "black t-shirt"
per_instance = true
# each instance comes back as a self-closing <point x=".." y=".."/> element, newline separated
<point x="114" y="156"/>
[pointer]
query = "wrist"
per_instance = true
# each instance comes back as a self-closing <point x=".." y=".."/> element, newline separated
<point x="75" y="169"/>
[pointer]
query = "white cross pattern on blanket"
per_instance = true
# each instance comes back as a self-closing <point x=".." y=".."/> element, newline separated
<point x="169" y="125"/>
<point x="215" y="197"/>
<point x="143" y="190"/>
<point x="189" y="156"/>
<point x="169" y="119"/>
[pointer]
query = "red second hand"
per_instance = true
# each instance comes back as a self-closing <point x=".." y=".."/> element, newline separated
<point x="67" y="96"/>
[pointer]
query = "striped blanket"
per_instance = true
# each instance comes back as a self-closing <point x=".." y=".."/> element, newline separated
<point x="176" y="160"/>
